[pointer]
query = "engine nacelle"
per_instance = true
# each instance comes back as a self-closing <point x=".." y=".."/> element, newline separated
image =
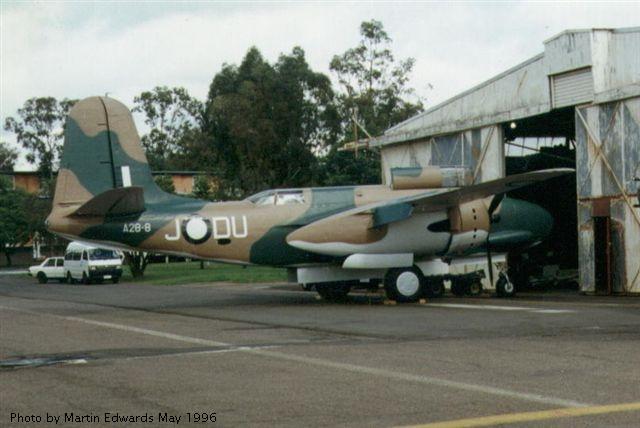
<point x="469" y="226"/>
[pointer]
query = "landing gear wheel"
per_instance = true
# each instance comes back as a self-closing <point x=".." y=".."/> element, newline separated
<point x="404" y="284"/>
<point x="70" y="279"/>
<point x="458" y="287"/>
<point x="42" y="278"/>
<point x="85" y="279"/>
<point x="504" y="287"/>
<point x="434" y="287"/>
<point x="474" y="288"/>
<point x="333" y="292"/>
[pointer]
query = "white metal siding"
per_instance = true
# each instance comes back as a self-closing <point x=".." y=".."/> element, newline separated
<point x="571" y="88"/>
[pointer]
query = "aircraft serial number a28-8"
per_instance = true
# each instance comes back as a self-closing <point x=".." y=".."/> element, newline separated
<point x="331" y="238"/>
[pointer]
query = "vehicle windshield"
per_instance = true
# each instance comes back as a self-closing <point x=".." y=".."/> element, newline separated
<point x="102" y="254"/>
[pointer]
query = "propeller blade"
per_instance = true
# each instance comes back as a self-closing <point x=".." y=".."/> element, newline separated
<point x="495" y="202"/>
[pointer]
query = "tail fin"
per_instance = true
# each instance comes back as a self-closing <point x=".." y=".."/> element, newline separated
<point x="102" y="151"/>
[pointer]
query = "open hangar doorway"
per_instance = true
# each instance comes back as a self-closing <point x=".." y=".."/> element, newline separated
<point x="542" y="142"/>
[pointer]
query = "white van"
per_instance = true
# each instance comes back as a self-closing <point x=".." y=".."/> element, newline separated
<point x="87" y="263"/>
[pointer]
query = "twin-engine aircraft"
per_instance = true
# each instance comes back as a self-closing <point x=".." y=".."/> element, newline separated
<point x="329" y="237"/>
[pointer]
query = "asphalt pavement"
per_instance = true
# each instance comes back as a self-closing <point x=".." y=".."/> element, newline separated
<point x="274" y="355"/>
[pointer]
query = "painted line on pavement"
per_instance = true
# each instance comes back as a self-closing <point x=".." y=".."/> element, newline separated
<point x="501" y="308"/>
<point x="389" y="374"/>
<point x="512" y="418"/>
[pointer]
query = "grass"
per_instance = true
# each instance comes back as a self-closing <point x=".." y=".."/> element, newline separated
<point x="190" y="272"/>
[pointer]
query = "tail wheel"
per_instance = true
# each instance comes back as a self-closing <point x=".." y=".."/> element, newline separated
<point x="434" y="287"/>
<point x="504" y="287"/>
<point x="333" y="292"/>
<point x="404" y="284"/>
<point x="42" y="278"/>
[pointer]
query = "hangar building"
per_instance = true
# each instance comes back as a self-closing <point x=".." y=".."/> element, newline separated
<point x="582" y="91"/>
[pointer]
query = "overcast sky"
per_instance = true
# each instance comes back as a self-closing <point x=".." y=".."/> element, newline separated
<point x="78" y="49"/>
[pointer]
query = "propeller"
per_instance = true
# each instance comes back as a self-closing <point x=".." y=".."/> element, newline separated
<point x="495" y="203"/>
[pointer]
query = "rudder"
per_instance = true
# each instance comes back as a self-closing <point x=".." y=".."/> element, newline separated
<point x="102" y="151"/>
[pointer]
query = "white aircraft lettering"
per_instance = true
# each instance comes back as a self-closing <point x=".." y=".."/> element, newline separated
<point x="222" y="227"/>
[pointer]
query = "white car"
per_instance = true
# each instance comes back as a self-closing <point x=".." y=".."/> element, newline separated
<point x="51" y="268"/>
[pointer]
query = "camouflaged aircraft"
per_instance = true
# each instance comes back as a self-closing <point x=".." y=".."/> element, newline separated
<point x="331" y="238"/>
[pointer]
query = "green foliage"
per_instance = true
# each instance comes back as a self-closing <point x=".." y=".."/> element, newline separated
<point x="39" y="129"/>
<point x="165" y="182"/>
<point x="18" y="218"/>
<point x="265" y="122"/>
<point x="375" y="96"/>
<point x="173" y="117"/>
<point x="202" y="188"/>
<point x="343" y="168"/>
<point x="8" y="157"/>
<point x="374" y="84"/>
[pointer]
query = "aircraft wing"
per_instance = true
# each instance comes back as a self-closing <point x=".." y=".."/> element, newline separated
<point x="398" y="209"/>
<point x="431" y="202"/>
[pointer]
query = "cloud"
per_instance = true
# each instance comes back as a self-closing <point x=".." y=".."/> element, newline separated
<point x="75" y="50"/>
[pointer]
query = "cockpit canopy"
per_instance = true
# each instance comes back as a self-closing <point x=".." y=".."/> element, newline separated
<point x="278" y="197"/>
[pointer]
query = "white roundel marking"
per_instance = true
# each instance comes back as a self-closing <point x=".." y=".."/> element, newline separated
<point x="408" y="283"/>
<point x="196" y="228"/>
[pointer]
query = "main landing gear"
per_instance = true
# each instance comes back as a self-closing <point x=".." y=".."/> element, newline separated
<point x="409" y="284"/>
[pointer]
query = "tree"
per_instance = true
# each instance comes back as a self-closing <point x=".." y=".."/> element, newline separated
<point x="173" y="117"/>
<point x="375" y="96"/>
<point x="202" y="188"/>
<point x="8" y="157"/>
<point x="39" y="129"/>
<point x="15" y="222"/>
<point x="137" y="262"/>
<point x="165" y="182"/>
<point x="264" y="123"/>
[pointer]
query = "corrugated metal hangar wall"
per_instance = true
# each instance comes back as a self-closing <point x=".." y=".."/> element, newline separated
<point x="595" y="73"/>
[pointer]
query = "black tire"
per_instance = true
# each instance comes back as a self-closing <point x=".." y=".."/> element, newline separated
<point x="333" y="291"/>
<point x="434" y="287"/>
<point x="115" y="279"/>
<point x="504" y="287"/>
<point x="85" y="279"/>
<point x="458" y="287"/>
<point x="474" y="288"/>
<point x="404" y="285"/>
<point x="42" y="278"/>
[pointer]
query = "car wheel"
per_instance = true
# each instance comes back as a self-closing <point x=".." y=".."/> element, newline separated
<point x="404" y="284"/>
<point x="333" y="292"/>
<point x="42" y="278"/>
<point x="85" y="279"/>
<point x="434" y="287"/>
<point x="504" y="287"/>
<point x="115" y="279"/>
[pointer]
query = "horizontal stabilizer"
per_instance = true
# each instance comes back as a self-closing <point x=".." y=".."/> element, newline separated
<point x="115" y="202"/>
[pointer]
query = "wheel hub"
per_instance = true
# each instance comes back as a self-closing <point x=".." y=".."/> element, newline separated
<point x="408" y="284"/>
